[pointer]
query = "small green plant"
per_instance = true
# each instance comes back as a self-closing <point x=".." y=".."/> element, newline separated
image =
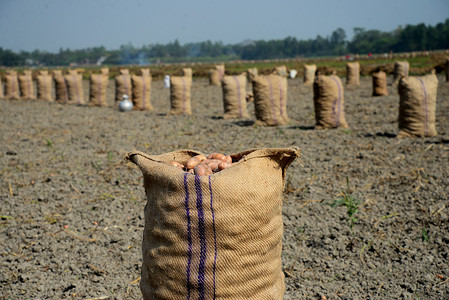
<point x="352" y="204"/>
<point x="49" y="143"/>
<point x="425" y="235"/>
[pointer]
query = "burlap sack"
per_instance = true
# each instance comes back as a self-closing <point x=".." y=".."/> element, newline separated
<point x="187" y="72"/>
<point x="61" y="93"/>
<point x="123" y="85"/>
<point x="2" y="95"/>
<point x="216" y="76"/>
<point x="252" y="73"/>
<point x="353" y="73"/>
<point x="234" y="97"/>
<point x="11" y="85"/>
<point x="218" y="236"/>
<point x="418" y="97"/>
<point x="281" y="71"/>
<point x="104" y="71"/>
<point x="44" y="86"/>
<point x="328" y="99"/>
<point x="26" y="86"/>
<point x="380" y="84"/>
<point x="145" y="72"/>
<point x="98" y="88"/>
<point x="309" y="74"/>
<point x="74" y="82"/>
<point x="141" y="87"/>
<point x="401" y="69"/>
<point x="180" y="95"/>
<point x="270" y="100"/>
<point x="447" y="69"/>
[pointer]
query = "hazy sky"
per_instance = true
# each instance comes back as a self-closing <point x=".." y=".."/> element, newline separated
<point x="76" y="24"/>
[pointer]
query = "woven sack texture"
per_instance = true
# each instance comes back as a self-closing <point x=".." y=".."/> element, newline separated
<point x="141" y="87"/>
<point x="180" y="90"/>
<point x="44" y="86"/>
<point x="75" y="90"/>
<point x="353" y="73"/>
<point x="417" y="105"/>
<point x="252" y="73"/>
<point x="61" y="92"/>
<point x="98" y="88"/>
<point x="187" y="72"/>
<point x="281" y="71"/>
<point x="11" y="85"/>
<point x="214" y="237"/>
<point x="104" y="71"/>
<point x="401" y="68"/>
<point x="123" y="85"/>
<point x="26" y="85"/>
<point x="2" y="95"/>
<point x="309" y="74"/>
<point x="328" y="98"/>
<point x="270" y="100"/>
<point x="216" y="76"/>
<point x="380" y="84"/>
<point x="234" y="97"/>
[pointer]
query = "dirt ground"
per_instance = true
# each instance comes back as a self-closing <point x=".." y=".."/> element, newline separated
<point x="72" y="209"/>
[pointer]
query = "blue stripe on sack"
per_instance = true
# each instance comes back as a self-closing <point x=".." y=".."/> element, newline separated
<point x="215" y="236"/>
<point x="189" y="236"/>
<point x="202" y="236"/>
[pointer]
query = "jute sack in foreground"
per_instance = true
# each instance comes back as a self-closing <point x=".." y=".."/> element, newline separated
<point x="44" y="86"/>
<point x="418" y="97"/>
<point x="123" y="85"/>
<point x="75" y="90"/>
<point x="380" y="84"/>
<point x="11" y="85"/>
<point x="270" y="100"/>
<point x="309" y="74"/>
<point x="98" y="88"/>
<point x="26" y="86"/>
<point x="180" y="95"/>
<point x="234" y="97"/>
<point x="61" y="93"/>
<point x="141" y="87"/>
<point x="401" y="69"/>
<point x="218" y="236"/>
<point x="328" y="99"/>
<point x="353" y="73"/>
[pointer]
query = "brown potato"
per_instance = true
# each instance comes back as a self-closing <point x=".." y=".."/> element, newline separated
<point x="192" y="163"/>
<point x="224" y="165"/>
<point x="177" y="165"/>
<point x="219" y="156"/>
<point x="212" y="164"/>
<point x="202" y="170"/>
<point x="200" y="157"/>
<point x="229" y="159"/>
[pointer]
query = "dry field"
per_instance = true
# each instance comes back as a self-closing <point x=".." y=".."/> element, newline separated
<point x="72" y="209"/>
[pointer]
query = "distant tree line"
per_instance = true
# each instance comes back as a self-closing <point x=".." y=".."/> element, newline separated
<point x="404" y="39"/>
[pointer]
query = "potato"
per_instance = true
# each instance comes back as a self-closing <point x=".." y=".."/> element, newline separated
<point x="219" y="156"/>
<point x="202" y="165"/>
<point x="192" y="163"/>
<point x="202" y="170"/>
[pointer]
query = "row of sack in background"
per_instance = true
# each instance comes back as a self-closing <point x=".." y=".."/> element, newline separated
<point x="417" y="94"/>
<point x="69" y="89"/>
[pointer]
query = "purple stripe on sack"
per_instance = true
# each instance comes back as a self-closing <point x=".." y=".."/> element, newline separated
<point x="337" y="106"/>
<point x="202" y="236"/>
<point x="273" y="109"/>
<point x="189" y="236"/>
<point x="239" y="101"/>
<point x="426" y="129"/>
<point x="215" y="235"/>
